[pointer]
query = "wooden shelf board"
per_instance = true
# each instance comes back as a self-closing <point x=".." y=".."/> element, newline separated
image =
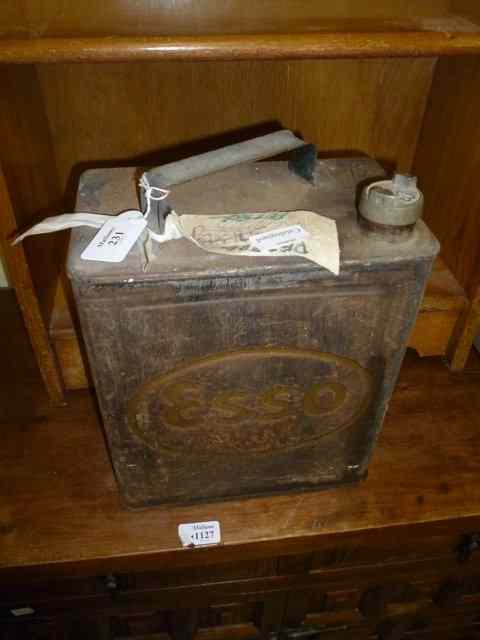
<point x="242" y="40"/>
<point x="443" y="291"/>
<point x="60" y="505"/>
<point x="442" y="305"/>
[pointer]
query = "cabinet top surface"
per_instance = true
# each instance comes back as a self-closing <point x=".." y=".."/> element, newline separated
<point x="258" y="187"/>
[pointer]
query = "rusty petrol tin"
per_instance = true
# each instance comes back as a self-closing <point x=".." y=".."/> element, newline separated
<point x="221" y="376"/>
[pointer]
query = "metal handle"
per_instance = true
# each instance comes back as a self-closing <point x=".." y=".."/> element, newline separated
<point x="219" y="159"/>
<point x="110" y="582"/>
<point x="204" y="164"/>
<point x="468" y="545"/>
<point x="116" y="583"/>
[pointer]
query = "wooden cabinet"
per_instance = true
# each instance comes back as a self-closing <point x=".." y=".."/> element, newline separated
<point x="396" y="80"/>
<point x="340" y="591"/>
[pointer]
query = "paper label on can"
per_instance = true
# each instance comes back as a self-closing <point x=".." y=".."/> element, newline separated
<point x="278" y="237"/>
<point x="305" y="234"/>
<point x="114" y="240"/>
<point x="199" y="534"/>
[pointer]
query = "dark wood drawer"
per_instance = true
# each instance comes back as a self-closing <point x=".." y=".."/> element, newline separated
<point x="48" y="595"/>
<point x="207" y="575"/>
<point x="390" y="546"/>
<point x="357" y="584"/>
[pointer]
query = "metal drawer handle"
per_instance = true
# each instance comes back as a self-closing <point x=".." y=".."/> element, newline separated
<point x="468" y="545"/>
<point x="111" y="582"/>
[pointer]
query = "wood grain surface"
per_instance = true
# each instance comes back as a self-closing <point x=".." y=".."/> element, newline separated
<point x="28" y="163"/>
<point x="442" y="305"/>
<point x="469" y="8"/>
<point x="206" y="30"/>
<point x="330" y="44"/>
<point x="21" y="279"/>
<point x="466" y="331"/>
<point x="158" y="112"/>
<point x="30" y="189"/>
<point x="447" y="162"/>
<point x="56" y="18"/>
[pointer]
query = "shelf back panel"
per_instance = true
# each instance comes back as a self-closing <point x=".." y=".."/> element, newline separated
<point x="56" y="18"/>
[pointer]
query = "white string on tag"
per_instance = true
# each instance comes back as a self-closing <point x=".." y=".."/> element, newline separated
<point x="97" y="220"/>
<point x="173" y="231"/>
<point x="65" y="221"/>
<point x="149" y="193"/>
<point x="173" y="228"/>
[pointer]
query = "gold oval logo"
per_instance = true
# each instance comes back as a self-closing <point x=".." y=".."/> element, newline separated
<point x="260" y="400"/>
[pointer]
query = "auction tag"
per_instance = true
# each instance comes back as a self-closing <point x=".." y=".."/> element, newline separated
<point x="199" y="534"/>
<point x="115" y="239"/>
<point x="276" y="237"/>
<point x="22" y="611"/>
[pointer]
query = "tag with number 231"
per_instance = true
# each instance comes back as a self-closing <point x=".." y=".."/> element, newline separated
<point x="115" y="239"/>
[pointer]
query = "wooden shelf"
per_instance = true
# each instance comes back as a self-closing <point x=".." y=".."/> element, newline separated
<point x="241" y="39"/>
<point x="442" y="305"/>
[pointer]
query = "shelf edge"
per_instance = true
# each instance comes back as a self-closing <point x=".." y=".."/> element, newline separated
<point x="241" y="47"/>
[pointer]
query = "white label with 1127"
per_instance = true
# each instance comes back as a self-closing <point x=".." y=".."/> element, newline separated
<point x="199" y="534"/>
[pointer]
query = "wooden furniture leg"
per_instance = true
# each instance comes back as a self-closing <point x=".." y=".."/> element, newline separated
<point x="21" y="279"/>
<point x="466" y="330"/>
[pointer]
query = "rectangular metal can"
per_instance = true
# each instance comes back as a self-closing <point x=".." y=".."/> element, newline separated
<point x="220" y="376"/>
